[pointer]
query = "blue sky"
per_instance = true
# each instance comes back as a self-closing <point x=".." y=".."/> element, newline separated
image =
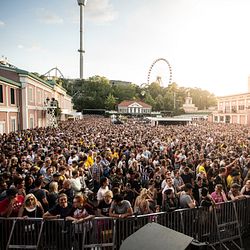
<point x="205" y="41"/>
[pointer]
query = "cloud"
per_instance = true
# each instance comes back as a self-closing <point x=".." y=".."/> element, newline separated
<point x="48" y="17"/>
<point x="100" y="11"/>
<point x="20" y="46"/>
<point x="2" y="23"/>
<point x="35" y="48"/>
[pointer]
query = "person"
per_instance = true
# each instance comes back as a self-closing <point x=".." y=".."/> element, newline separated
<point x="9" y="207"/>
<point x="81" y="217"/>
<point x="186" y="197"/>
<point x="67" y="189"/>
<point x="142" y="202"/>
<point x="104" y="187"/>
<point x="104" y="205"/>
<point x="234" y="193"/>
<point x="31" y="207"/>
<point x="81" y="211"/>
<point x="221" y="178"/>
<point x="178" y="182"/>
<point x="40" y="193"/>
<point x="219" y="195"/>
<point x="60" y="210"/>
<point x="170" y="201"/>
<point x="120" y="208"/>
<point x="52" y="195"/>
<point x="206" y="199"/>
<point x="246" y="189"/>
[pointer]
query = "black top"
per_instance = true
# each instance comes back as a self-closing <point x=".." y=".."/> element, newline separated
<point x="104" y="208"/>
<point x="62" y="211"/>
<point x="37" y="213"/>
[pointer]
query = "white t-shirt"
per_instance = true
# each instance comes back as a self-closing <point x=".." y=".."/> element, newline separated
<point x="101" y="192"/>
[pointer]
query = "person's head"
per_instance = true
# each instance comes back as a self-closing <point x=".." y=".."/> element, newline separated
<point x="218" y="188"/>
<point x="235" y="187"/>
<point x="53" y="187"/>
<point x="188" y="188"/>
<point x="169" y="193"/>
<point x="30" y="202"/>
<point x="19" y="183"/>
<point x="49" y="170"/>
<point x="108" y="196"/>
<point x="63" y="200"/>
<point x="248" y="184"/>
<point x="75" y="174"/>
<point x="169" y="181"/>
<point x="167" y="174"/>
<point x="98" y="158"/>
<point x="38" y="182"/>
<point x="118" y="198"/>
<point x="176" y="173"/>
<point x="79" y="201"/>
<point x="222" y="171"/>
<point x="104" y="182"/>
<point x="204" y="191"/>
<point x="11" y="193"/>
<point x="67" y="184"/>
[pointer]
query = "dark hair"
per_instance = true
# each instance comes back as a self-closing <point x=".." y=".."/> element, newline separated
<point x="38" y="182"/>
<point x="118" y="197"/>
<point x="204" y="191"/>
<point x="188" y="186"/>
<point x="11" y="192"/>
<point x="103" y="180"/>
<point x="168" y="191"/>
<point x="222" y="170"/>
<point x="18" y="181"/>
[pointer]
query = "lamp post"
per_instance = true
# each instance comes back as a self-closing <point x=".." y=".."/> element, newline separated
<point x="82" y="4"/>
<point x="51" y="106"/>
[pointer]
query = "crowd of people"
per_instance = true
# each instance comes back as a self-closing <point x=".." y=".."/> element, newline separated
<point x="91" y="167"/>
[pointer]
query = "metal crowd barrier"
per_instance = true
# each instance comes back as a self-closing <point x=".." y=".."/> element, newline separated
<point x="108" y="233"/>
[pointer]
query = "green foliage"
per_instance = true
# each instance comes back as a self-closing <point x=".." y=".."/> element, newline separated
<point x="110" y="102"/>
<point x="97" y="93"/>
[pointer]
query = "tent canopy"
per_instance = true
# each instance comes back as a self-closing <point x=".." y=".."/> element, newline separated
<point x="157" y="237"/>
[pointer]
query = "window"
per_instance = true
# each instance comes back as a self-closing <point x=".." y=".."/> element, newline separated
<point x="39" y="96"/>
<point x="2" y="127"/>
<point x="1" y="93"/>
<point x="30" y="94"/>
<point x="40" y="122"/>
<point x="221" y="118"/>
<point x="241" y="107"/>
<point x="12" y="96"/>
<point x="13" y="124"/>
<point x="216" y="118"/>
<point x="31" y="122"/>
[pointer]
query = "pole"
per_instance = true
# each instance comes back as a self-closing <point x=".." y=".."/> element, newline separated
<point x="81" y="40"/>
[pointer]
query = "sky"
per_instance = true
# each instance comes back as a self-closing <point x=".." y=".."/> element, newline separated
<point x="206" y="42"/>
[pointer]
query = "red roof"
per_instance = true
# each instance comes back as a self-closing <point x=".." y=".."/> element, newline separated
<point x="127" y="103"/>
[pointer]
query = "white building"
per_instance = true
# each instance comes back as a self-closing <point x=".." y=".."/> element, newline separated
<point x="134" y="108"/>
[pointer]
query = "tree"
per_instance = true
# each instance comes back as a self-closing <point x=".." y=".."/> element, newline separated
<point x="110" y="102"/>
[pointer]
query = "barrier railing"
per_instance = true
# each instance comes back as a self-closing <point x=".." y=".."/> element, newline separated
<point x="108" y="233"/>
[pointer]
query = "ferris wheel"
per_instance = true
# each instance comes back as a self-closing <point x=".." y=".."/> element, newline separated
<point x="159" y="78"/>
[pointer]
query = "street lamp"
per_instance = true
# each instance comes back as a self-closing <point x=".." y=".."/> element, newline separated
<point x="51" y="106"/>
<point x="82" y="4"/>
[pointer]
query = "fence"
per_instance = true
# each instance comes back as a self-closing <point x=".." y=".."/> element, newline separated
<point x="108" y="233"/>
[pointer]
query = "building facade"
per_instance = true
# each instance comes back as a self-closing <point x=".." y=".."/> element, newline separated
<point x="233" y="109"/>
<point x="134" y="108"/>
<point x="22" y="99"/>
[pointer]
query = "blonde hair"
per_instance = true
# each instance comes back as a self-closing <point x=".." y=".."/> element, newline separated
<point x="109" y="193"/>
<point x="53" y="186"/>
<point x="27" y="197"/>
